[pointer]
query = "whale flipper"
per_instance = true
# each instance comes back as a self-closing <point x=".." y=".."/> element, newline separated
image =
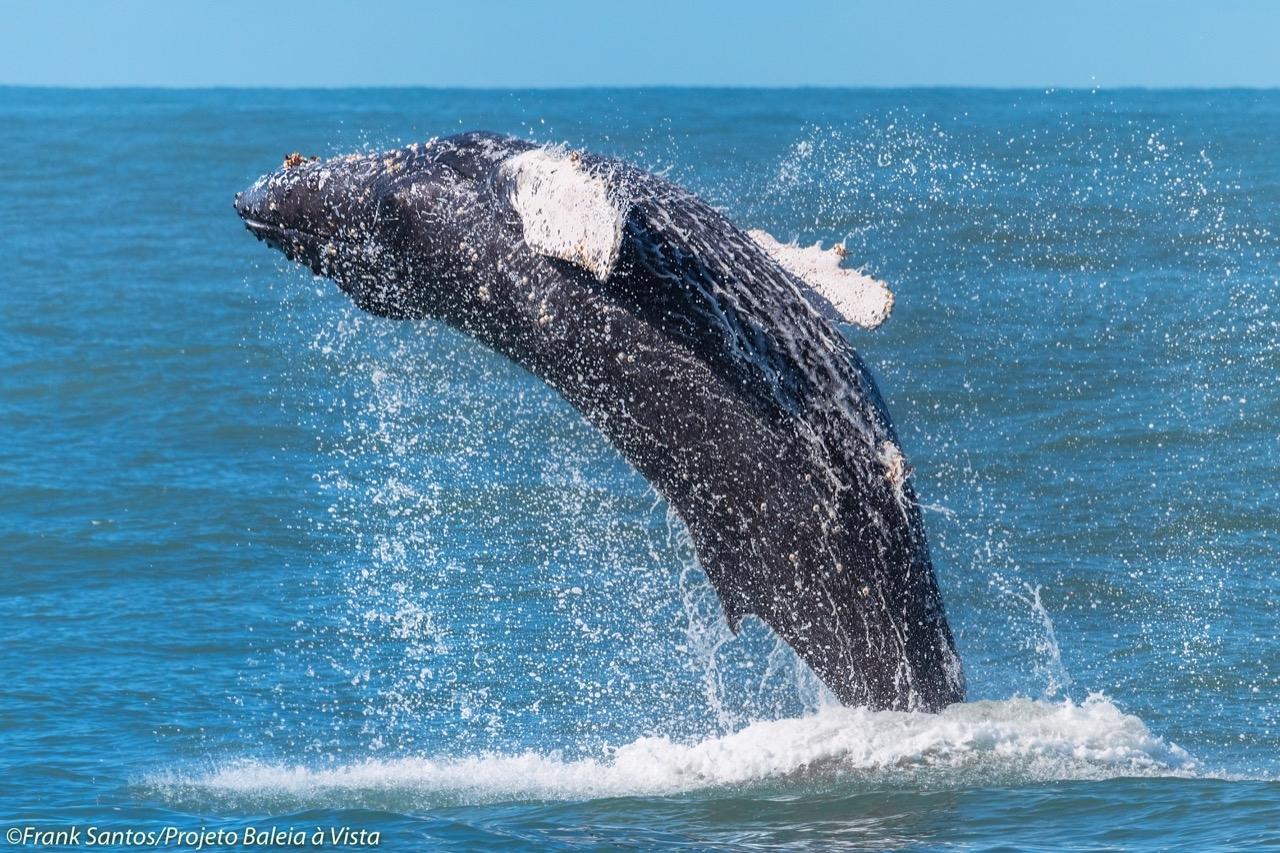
<point x="842" y="295"/>
<point x="566" y="211"/>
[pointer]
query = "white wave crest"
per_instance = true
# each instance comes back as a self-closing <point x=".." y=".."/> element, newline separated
<point x="1004" y="742"/>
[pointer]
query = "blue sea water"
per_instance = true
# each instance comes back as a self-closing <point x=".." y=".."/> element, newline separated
<point x="269" y="562"/>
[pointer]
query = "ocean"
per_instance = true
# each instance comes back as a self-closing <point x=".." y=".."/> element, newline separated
<point x="280" y="570"/>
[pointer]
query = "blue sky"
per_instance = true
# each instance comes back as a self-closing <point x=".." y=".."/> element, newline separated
<point x="1033" y="43"/>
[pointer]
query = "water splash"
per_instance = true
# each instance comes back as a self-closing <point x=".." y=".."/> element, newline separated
<point x="982" y="743"/>
<point x="1046" y="649"/>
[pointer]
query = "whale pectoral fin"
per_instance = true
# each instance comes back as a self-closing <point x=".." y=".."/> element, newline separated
<point x="566" y="210"/>
<point x="839" y="294"/>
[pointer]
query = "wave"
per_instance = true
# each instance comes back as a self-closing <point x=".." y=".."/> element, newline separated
<point x="980" y="743"/>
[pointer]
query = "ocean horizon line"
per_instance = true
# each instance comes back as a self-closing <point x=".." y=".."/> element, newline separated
<point x="931" y="87"/>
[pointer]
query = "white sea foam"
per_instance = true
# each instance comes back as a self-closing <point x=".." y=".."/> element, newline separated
<point x="979" y="743"/>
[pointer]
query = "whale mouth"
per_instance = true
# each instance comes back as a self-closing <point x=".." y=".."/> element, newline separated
<point x="288" y="240"/>
<point x="250" y="207"/>
<point x="317" y="252"/>
<point x="261" y="229"/>
<point x="280" y="236"/>
<point x="297" y="245"/>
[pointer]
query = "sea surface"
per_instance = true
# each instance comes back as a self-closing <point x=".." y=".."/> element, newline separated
<point x="268" y="562"/>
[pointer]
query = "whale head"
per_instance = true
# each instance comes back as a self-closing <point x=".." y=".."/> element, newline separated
<point x="384" y="225"/>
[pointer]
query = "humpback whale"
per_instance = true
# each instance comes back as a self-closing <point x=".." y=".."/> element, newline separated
<point x="711" y="358"/>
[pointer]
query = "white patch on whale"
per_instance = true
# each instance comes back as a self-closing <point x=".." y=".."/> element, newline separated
<point x="896" y="471"/>
<point x="842" y="295"/>
<point x="566" y="211"/>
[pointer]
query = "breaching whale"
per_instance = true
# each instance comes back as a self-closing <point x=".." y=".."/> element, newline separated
<point x="709" y="357"/>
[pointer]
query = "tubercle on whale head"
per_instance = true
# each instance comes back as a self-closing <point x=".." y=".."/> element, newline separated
<point x="348" y="217"/>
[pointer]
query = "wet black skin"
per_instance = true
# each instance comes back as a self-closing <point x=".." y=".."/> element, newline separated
<point x="698" y="358"/>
